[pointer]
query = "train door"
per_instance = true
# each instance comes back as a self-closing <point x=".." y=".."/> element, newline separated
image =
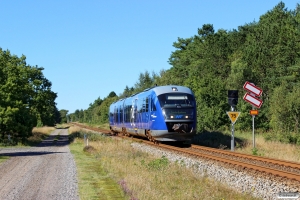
<point x="133" y="113"/>
<point x="147" y="115"/>
<point x="115" y="116"/>
<point x="123" y="114"/>
<point x="137" y="119"/>
<point x="152" y="112"/>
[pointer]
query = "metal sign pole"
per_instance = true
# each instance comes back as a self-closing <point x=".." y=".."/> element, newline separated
<point x="252" y="98"/>
<point x="253" y="116"/>
<point x="232" y="132"/>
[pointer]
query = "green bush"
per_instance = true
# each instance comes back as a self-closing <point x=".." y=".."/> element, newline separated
<point x="157" y="164"/>
<point x="281" y="136"/>
<point x="90" y="135"/>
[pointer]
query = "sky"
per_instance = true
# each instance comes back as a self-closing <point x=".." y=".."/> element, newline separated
<point x="93" y="47"/>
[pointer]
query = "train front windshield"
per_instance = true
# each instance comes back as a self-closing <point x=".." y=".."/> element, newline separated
<point x="177" y="106"/>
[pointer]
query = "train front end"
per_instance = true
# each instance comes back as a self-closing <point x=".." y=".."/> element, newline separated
<point x="177" y="120"/>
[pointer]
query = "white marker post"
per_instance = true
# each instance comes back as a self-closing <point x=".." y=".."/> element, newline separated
<point x="251" y="98"/>
<point x="85" y="138"/>
<point x="253" y="134"/>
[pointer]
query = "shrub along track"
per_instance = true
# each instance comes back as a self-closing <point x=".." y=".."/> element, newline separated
<point x="272" y="169"/>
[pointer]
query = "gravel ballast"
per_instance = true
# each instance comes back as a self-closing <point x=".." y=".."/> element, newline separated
<point x="242" y="180"/>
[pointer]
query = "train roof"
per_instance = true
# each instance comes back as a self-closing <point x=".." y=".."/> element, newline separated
<point x="171" y="88"/>
<point x="161" y="90"/>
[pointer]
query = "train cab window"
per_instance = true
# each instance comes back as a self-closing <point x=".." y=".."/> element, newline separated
<point x="177" y="99"/>
<point x="177" y="106"/>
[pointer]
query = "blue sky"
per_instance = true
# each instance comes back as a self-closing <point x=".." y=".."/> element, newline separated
<point x="90" y="48"/>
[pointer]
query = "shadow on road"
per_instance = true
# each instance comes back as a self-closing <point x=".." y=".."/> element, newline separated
<point x="55" y="140"/>
<point x="28" y="153"/>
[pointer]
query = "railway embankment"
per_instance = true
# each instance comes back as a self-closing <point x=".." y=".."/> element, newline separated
<point x="243" y="179"/>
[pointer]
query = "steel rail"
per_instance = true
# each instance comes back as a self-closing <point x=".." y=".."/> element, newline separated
<point x="284" y="174"/>
<point x="256" y="158"/>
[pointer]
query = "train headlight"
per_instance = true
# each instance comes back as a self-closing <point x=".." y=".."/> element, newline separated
<point x="186" y="116"/>
<point x="171" y="116"/>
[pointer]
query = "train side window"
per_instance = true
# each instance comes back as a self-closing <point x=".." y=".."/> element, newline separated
<point x="147" y="104"/>
<point x="128" y="113"/>
<point x="140" y="107"/>
<point x="118" y="115"/>
<point x="121" y="113"/>
<point x="153" y="107"/>
<point x="144" y="105"/>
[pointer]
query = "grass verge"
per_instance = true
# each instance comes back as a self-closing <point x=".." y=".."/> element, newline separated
<point x="140" y="175"/>
<point x="94" y="181"/>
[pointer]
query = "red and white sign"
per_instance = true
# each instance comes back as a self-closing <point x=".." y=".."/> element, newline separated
<point x="254" y="92"/>
<point x="252" y="88"/>
<point x="253" y="100"/>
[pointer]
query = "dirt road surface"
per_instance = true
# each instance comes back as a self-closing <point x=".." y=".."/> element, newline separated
<point x="47" y="171"/>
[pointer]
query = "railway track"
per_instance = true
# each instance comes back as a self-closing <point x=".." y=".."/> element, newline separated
<point x="285" y="170"/>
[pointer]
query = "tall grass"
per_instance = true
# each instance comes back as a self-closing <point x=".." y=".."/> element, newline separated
<point x="268" y="148"/>
<point x="62" y="126"/>
<point x="244" y="144"/>
<point x="39" y="134"/>
<point x="143" y="176"/>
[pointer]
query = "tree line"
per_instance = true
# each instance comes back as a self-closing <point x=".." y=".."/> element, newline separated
<point x="266" y="53"/>
<point x="26" y="98"/>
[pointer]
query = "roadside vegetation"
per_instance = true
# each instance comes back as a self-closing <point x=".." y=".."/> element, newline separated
<point x="62" y="126"/>
<point x="37" y="135"/>
<point x="109" y="166"/>
<point x="268" y="148"/>
<point x="27" y="100"/>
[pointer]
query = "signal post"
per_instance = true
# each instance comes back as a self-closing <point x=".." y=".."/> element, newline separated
<point x="233" y="115"/>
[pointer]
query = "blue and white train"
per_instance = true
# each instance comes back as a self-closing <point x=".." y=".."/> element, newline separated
<point x="161" y="113"/>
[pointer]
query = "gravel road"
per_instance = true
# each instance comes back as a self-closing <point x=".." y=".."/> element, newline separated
<point x="47" y="171"/>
